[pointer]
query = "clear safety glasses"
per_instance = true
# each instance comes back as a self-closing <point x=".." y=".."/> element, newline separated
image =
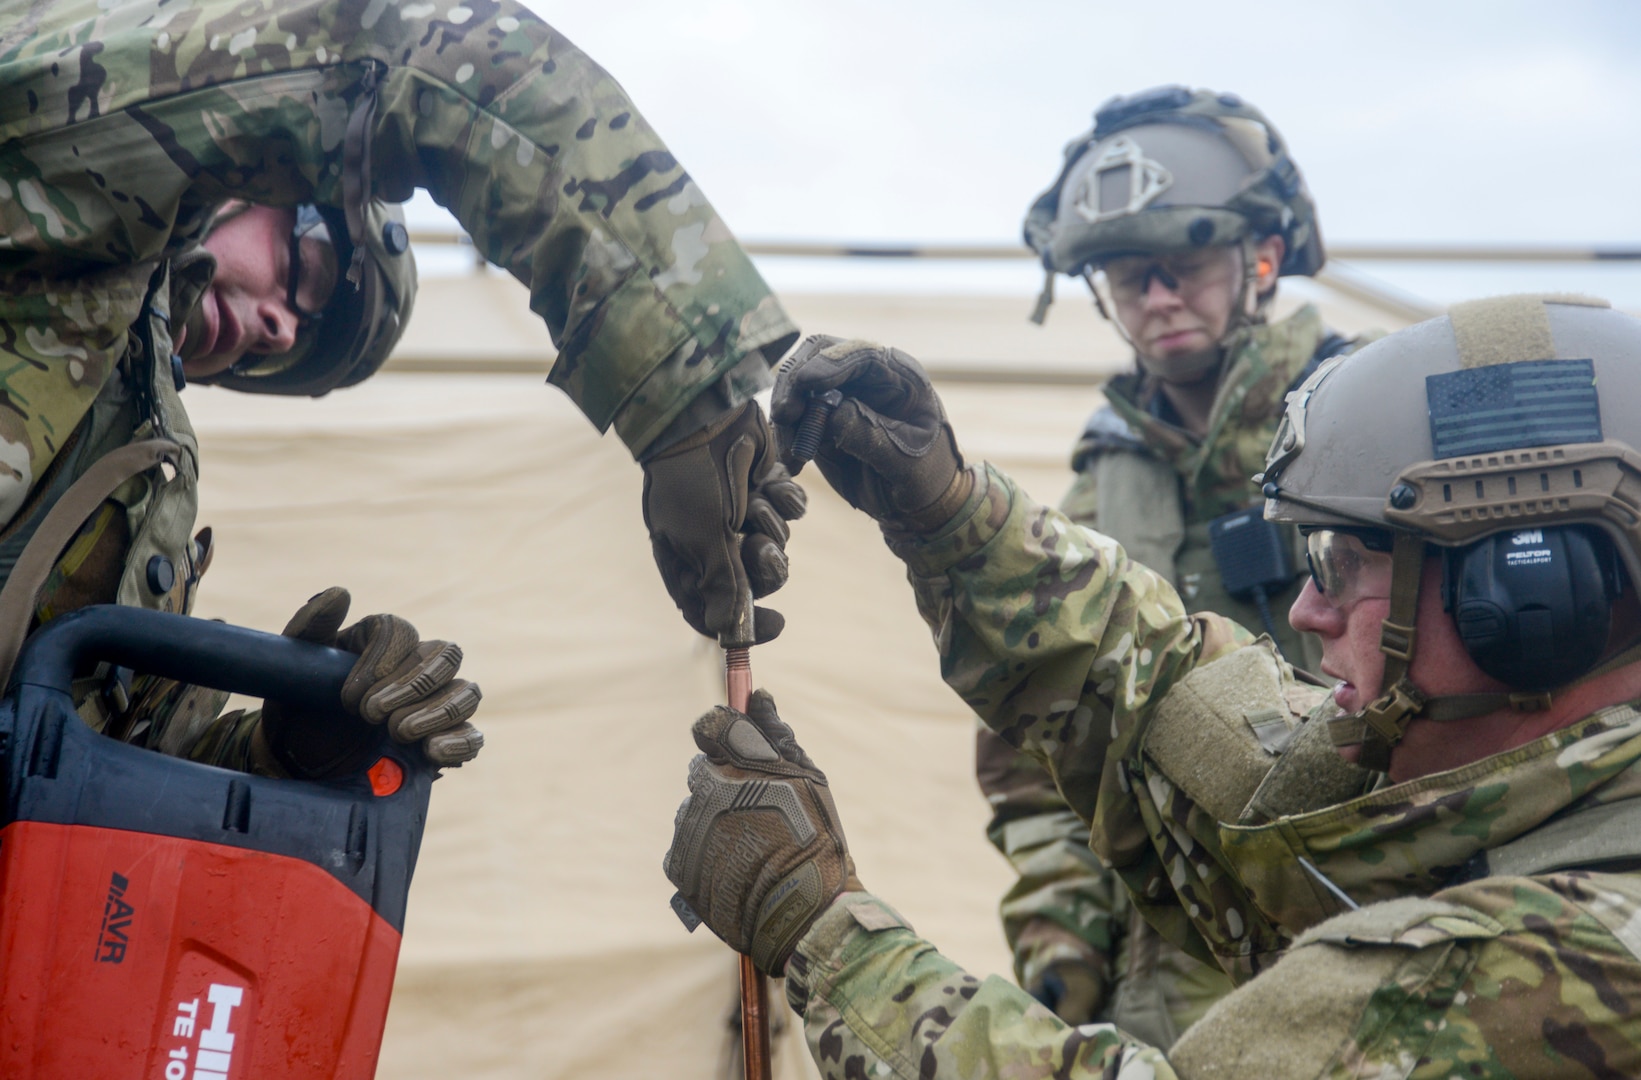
<point x="313" y="270"/>
<point x="1348" y="566"/>
<point x="1125" y="279"/>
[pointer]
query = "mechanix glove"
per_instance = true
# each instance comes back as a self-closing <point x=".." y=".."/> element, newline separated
<point x="887" y="447"/>
<point x="716" y="505"/>
<point x="403" y="682"/>
<point x="757" y="850"/>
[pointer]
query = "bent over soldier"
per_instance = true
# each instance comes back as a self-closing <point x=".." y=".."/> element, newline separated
<point x="1429" y="871"/>
<point x="204" y="190"/>
<point x="1181" y="210"/>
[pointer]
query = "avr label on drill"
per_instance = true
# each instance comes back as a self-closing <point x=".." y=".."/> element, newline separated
<point x="116" y="929"/>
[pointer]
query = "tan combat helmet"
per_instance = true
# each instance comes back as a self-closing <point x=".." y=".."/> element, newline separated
<point x="1505" y="433"/>
<point x="1169" y="170"/>
<point x="351" y="338"/>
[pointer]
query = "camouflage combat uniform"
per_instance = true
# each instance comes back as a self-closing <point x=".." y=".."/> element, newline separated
<point x="1150" y="988"/>
<point x="1484" y="945"/>
<point x="122" y="128"/>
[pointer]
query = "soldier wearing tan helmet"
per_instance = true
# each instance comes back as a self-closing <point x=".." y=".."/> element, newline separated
<point x="1461" y="899"/>
<point x="1181" y="210"/>
<point x="207" y="190"/>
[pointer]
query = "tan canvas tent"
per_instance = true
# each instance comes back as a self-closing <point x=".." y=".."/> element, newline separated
<point x="485" y="509"/>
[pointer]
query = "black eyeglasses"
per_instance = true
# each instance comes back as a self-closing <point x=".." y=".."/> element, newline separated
<point x="313" y="270"/>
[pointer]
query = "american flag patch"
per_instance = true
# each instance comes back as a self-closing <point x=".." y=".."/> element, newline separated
<point x="1513" y="406"/>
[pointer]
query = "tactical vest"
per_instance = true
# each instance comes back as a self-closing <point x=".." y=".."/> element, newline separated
<point x="1132" y="486"/>
<point x="111" y="520"/>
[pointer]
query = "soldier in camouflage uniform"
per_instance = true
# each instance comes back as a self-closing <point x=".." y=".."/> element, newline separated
<point x="1437" y="860"/>
<point x="146" y="146"/>
<point x="1181" y="210"/>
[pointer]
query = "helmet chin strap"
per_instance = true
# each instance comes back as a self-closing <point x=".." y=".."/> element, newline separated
<point x="356" y="178"/>
<point x="191" y="275"/>
<point x="1382" y="724"/>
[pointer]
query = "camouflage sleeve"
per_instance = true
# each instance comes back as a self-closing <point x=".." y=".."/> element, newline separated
<point x="187" y="721"/>
<point x="230" y="742"/>
<point x="1501" y="978"/>
<point x="1081" y="501"/>
<point x="125" y="123"/>
<point x="1060" y="884"/>
<point x="1504" y="978"/>
<point x="1052" y="635"/>
<point x="878" y="1001"/>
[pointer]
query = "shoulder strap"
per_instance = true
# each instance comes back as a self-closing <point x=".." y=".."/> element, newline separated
<point x="57" y="528"/>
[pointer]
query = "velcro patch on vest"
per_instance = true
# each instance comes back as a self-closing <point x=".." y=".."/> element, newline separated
<point x="1412" y="923"/>
<point x="1309" y="776"/>
<point x="1202" y="739"/>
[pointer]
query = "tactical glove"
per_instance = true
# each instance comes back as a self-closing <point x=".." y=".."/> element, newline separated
<point x="403" y="682"/>
<point x="887" y="447"/>
<point x="1061" y="969"/>
<point x="716" y="505"/>
<point x="757" y="850"/>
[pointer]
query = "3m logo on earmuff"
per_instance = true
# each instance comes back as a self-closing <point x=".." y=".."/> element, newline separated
<point x="1535" y="556"/>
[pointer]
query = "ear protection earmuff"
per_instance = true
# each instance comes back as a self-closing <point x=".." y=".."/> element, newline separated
<point x="1533" y="607"/>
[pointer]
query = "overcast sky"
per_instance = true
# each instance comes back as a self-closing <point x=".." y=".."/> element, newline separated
<point x="912" y="120"/>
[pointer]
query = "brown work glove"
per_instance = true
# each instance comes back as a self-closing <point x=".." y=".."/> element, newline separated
<point x="716" y="505"/>
<point x="1061" y="969"/>
<point x="887" y="447"/>
<point x="757" y="852"/>
<point x="403" y="682"/>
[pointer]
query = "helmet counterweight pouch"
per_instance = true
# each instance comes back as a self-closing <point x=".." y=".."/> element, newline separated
<point x="1533" y="607"/>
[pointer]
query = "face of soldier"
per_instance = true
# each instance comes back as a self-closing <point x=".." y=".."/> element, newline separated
<point x="1177" y="308"/>
<point x="1349" y="633"/>
<point x="267" y="283"/>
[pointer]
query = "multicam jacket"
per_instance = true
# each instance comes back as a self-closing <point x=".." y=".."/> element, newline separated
<point x="1149" y="987"/>
<point x="124" y="125"/>
<point x="1460" y="924"/>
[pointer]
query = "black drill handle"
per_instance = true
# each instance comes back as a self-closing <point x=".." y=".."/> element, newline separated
<point x="806" y="443"/>
<point x="300" y="674"/>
